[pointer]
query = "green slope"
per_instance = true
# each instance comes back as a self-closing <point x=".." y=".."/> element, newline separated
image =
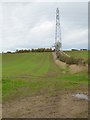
<point x="31" y="73"/>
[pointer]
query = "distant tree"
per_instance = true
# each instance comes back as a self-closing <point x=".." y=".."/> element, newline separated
<point x="83" y="49"/>
<point x="16" y="51"/>
<point x="74" y="49"/>
<point x="9" y="52"/>
<point x="35" y="50"/>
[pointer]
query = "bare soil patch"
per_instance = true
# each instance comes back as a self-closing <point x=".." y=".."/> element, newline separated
<point x="0" y="110"/>
<point x="78" y="68"/>
<point x="61" y="105"/>
<point x="58" y="62"/>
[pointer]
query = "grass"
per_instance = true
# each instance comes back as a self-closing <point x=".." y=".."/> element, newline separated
<point x="24" y="63"/>
<point x="0" y="78"/>
<point x="35" y="73"/>
<point x="78" y="54"/>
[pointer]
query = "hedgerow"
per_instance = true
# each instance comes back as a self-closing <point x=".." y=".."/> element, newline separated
<point x="70" y="60"/>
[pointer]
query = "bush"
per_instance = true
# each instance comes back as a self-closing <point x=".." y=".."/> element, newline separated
<point x="9" y="52"/>
<point x="70" y="60"/>
<point x="63" y="58"/>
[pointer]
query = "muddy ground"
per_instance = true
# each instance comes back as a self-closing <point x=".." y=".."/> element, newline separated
<point x="61" y="105"/>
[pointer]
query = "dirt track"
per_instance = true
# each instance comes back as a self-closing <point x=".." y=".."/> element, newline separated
<point x="62" y="105"/>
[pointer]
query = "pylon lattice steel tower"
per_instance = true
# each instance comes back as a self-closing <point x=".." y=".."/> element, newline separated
<point x="58" y="44"/>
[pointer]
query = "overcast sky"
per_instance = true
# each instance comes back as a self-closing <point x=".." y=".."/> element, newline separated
<point x="32" y="25"/>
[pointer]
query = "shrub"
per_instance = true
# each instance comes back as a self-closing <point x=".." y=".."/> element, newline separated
<point x="70" y="60"/>
<point x="63" y="58"/>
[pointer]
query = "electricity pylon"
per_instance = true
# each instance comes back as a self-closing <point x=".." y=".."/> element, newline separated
<point x="58" y="44"/>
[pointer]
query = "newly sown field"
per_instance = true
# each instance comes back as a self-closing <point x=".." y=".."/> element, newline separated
<point x="28" y="75"/>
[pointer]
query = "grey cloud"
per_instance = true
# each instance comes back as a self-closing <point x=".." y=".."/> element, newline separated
<point x="20" y="18"/>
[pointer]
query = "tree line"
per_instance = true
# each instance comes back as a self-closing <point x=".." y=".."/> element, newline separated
<point x="32" y="50"/>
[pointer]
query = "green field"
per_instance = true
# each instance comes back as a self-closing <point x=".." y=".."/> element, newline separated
<point x="36" y="73"/>
<point x="78" y="54"/>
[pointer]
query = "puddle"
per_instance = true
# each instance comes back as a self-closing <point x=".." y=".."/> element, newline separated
<point x="81" y="96"/>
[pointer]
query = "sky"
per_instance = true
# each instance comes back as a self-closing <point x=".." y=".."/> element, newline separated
<point x="26" y="25"/>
